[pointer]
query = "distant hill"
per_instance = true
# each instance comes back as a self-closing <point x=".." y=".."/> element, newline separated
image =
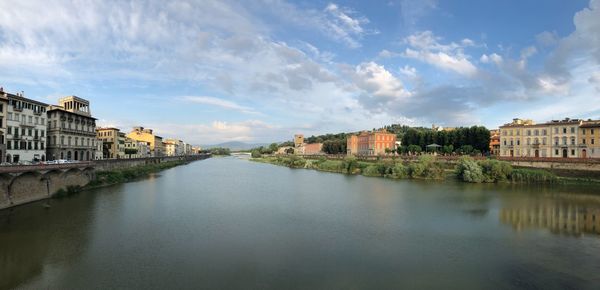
<point x="235" y="145"/>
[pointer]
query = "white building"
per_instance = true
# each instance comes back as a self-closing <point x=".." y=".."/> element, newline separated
<point x="26" y="129"/>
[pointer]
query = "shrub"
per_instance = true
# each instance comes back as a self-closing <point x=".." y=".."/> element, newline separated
<point x="350" y="165"/>
<point x="372" y="170"/>
<point x="426" y="167"/>
<point x="495" y="170"/>
<point x="256" y="154"/>
<point x="398" y="171"/>
<point x="331" y="166"/>
<point x="532" y="176"/>
<point x="468" y="170"/>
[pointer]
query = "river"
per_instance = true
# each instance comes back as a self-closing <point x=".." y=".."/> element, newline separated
<point x="227" y="223"/>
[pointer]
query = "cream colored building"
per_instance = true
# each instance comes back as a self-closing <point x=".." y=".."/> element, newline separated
<point x="589" y="134"/>
<point x="25" y="129"/>
<point x="71" y="130"/>
<point x="140" y="148"/>
<point x="3" y="120"/>
<point x="110" y="142"/>
<point x="98" y="154"/>
<point x="565" y="136"/>
<point x="554" y="139"/>
<point x="147" y="135"/>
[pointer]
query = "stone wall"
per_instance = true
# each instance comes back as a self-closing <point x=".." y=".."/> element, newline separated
<point x="23" y="186"/>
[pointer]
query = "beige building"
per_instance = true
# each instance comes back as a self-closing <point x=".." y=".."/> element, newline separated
<point x="565" y="137"/>
<point x="136" y="149"/>
<point x="71" y="130"/>
<point x="171" y="147"/>
<point x="25" y="129"/>
<point x="146" y="135"/>
<point x="3" y="109"/>
<point x="110" y="142"/>
<point x="589" y="134"/>
<point x="525" y="138"/>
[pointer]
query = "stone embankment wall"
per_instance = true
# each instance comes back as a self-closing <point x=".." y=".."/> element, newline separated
<point x="23" y="184"/>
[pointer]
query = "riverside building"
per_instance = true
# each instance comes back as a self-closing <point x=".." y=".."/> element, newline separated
<point x="371" y="143"/>
<point x="71" y="130"/>
<point x="25" y="129"/>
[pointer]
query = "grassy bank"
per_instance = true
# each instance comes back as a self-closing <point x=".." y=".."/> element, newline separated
<point x="426" y="167"/>
<point x="106" y="178"/>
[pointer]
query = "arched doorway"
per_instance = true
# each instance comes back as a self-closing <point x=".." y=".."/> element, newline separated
<point x="69" y="155"/>
<point x="8" y="158"/>
<point x="62" y="155"/>
<point x="76" y="155"/>
<point x="537" y="153"/>
<point x="512" y="153"/>
<point x="43" y="158"/>
<point x="584" y="153"/>
<point x="87" y="155"/>
<point x="565" y="153"/>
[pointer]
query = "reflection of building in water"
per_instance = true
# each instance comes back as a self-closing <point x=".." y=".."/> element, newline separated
<point x="567" y="219"/>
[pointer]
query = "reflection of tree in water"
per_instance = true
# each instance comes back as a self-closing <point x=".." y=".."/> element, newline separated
<point x="32" y="236"/>
<point x="573" y="216"/>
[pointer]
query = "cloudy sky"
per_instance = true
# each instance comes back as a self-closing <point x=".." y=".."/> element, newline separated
<point x="262" y="70"/>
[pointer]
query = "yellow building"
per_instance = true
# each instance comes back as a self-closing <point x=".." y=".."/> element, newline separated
<point x="589" y="134"/>
<point x="110" y="142"/>
<point x="525" y="138"/>
<point x="146" y="135"/>
<point x="298" y="140"/>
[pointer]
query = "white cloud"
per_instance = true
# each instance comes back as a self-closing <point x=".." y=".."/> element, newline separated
<point x="425" y="46"/>
<point x="495" y="58"/>
<point x="212" y="101"/>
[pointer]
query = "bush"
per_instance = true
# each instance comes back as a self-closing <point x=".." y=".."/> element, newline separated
<point x="468" y="170"/>
<point x="331" y="166"/>
<point x="350" y="165"/>
<point x="495" y="170"/>
<point x="398" y="171"/>
<point x="372" y="170"/>
<point x="532" y="176"/>
<point x="426" y="167"/>
<point x="256" y="154"/>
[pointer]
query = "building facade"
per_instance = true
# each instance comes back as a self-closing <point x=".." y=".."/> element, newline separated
<point x="372" y="143"/>
<point x="525" y="138"/>
<point x="71" y="130"/>
<point x="171" y="147"/>
<point x="3" y="120"/>
<point x="589" y="134"/>
<point x="98" y="154"/>
<point x="298" y="140"/>
<point x="146" y="135"/>
<point x="565" y="139"/>
<point x="109" y="137"/>
<point x="495" y="142"/>
<point x="25" y="129"/>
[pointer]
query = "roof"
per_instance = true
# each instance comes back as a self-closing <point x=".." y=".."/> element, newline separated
<point x="21" y="98"/>
<point x="59" y="108"/>
<point x="592" y="124"/>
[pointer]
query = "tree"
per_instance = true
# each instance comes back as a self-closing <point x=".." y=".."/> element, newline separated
<point x="256" y="153"/>
<point x="273" y="147"/>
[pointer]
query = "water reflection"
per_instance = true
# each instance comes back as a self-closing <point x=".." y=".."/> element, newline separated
<point x="561" y="215"/>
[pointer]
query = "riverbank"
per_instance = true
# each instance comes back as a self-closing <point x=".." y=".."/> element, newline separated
<point x="117" y="176"/>
<point x="427" y="167"/>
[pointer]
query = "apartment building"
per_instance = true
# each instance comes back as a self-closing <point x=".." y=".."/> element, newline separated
<point x="146" y="135"/>
<point x="71" y="130"/>
<point x="25" y="129"/>
<point x="109" y="137"/>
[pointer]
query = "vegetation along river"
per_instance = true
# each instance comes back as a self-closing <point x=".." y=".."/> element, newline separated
<point x="229" y="223"/>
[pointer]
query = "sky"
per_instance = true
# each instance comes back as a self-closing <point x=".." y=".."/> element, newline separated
<point x="260" y="71"/>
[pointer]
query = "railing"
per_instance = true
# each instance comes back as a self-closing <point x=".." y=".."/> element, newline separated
<point x="551" y="159"/>
<point x="38" y="167"/>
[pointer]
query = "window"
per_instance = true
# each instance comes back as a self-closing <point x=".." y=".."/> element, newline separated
<point x="572" y="130"/>
<point x="583" y="140"/>
<point x="528" y="141"/>
<point x="555" y="130"/>
<point x="10" y="116"/>
<point x="544" y="132"/>
<point x="592" y="131"/>
<point x="536" y="132"/>
<point x="30" y="119"/>
<point x="564" y="140"/>
<point x="9" y="130"/>
<point x="572" y="141"/>
<point x="518" y="142"/>
<point x="592" y="141"/>
<point x="556" y="152"/>
<point x="583" y="131"/>
<point x="8" y="145"/>
<point x="544" y="141"/>
<point x="564" y="130"/>
<point x="528" y="132"/>
<point x="573" y="152"/>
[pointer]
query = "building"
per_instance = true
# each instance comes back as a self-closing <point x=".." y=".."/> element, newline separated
<point x="109" y="137"/>
<point x="98" y="154"/>
<point x="525" y="138"/>
<point x="136" y="149"/>
<point x="495" y="142"/>
<point x="352" y="145"/>
<point x="564" y="137"/>
<point x="146" y="135"/>
<point x="3" y="120"/>
<point x="25" y="129"/>
<point x="589" y="134"/>
<point x="71" y="130"/>
<point x="196" y="149"/>
<point x="171" y="147"/>
<point x="371" y="143"/>
<point x="298" y="140"/>
<point x="121" y="137"/>
<point x="311" y="149"/>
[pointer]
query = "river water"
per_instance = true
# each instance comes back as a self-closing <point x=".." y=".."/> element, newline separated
<point x="227" y="223"/>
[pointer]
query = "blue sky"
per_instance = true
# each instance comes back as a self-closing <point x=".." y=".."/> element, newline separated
<point x="260" y="71"/>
